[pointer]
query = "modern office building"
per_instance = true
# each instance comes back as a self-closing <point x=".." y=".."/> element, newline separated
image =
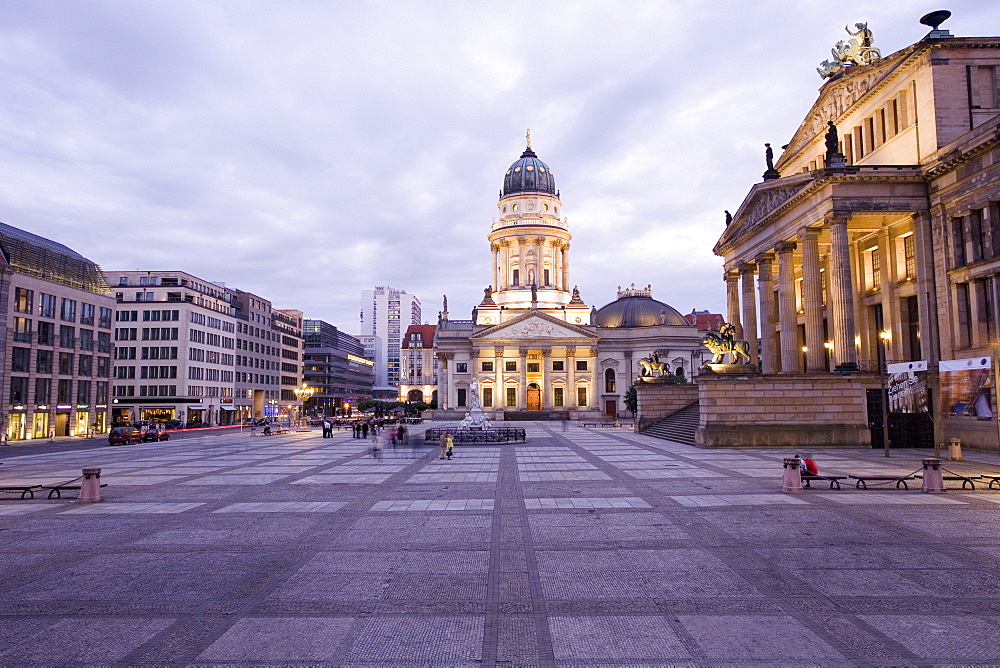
<point x="175" y="347"/>
<point x="386" y="313"/>
<point x="335" y="365"/>
<point x="258" y="357"/>
<point x="288" y="324"/>
<point x="57" y="314"/>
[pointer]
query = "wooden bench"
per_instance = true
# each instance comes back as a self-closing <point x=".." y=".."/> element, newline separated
<point x="57" y="488"/>
<point x="28" y="490"/>
<point x="966" y="479"/>
<point x="863" y="480"/>
<point x="833" y="479"/>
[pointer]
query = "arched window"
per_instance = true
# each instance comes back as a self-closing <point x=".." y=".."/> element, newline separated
<point x="609" y="380"/>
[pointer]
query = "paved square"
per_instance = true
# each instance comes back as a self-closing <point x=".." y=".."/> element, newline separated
<point x="583" y="547"/>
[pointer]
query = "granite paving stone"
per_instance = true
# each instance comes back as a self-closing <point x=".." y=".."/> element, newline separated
<point x="583" y="547"/>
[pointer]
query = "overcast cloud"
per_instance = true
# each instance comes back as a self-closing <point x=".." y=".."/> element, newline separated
<point x="306" y="151"/>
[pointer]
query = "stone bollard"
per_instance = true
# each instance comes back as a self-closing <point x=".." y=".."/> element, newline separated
<point x="90" y="487"/>
<point x="791" y="481"/>
<point x="933" y="482"/>
<point x="955" y="449"/>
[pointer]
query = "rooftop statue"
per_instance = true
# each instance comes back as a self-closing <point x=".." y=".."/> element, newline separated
<point x="855" y="51"/>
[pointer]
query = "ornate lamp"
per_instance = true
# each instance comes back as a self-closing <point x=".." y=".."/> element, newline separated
<point x="303" y="394"/>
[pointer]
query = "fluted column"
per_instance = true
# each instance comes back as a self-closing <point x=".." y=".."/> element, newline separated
<point x="749" y="320"/>
<point x="842" y="295"/>
<point x="522" y="365"/>
<point x="543" y="367"/>
<point x="504" y="264"/>
<point x="500" y="400"/>
<point x="565" y="265"/>
<point x="495" y="256"/>
<point x="570" y="400"/>
<point x="789" y="335"/>
<point x="594" y="392"/>
<point x="732" y="279"/>
<point x="812" y="300"/>
<point x="765" y="297"/>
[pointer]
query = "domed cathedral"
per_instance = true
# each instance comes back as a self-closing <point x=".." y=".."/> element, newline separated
<point x="533" y="347"/>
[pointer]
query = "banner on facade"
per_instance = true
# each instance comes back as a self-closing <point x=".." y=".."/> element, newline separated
<point x="908" y="392"/>
<point x="965" y="387"/>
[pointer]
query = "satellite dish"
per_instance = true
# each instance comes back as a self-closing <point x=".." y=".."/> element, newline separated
<point x="934" y="19"/>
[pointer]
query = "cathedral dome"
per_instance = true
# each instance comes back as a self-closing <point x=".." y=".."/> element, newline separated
<point x="528" y="174"/>
<point x="635" y="307"/>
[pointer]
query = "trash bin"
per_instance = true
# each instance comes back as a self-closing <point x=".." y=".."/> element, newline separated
<point x="955" y="449"/>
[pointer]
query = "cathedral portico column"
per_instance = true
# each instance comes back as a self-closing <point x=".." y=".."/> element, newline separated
<point x="444" y="384"/>
<point x="842" y="295"/>
<point x="749" y="320"/>
<point x="545" y="388"/>
<point x="765" y="299"/>
<point x="732" y="279"/>
<point x="570" y="400"/>
<point x="812" y="300"/>
<point x="522" y="365"/>
<point x="500" y="400"/>
<point x="786" y="308"/>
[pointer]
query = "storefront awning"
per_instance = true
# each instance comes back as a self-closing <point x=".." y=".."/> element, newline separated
<point x="228" y="408"/>
<point x="196" y="408"/>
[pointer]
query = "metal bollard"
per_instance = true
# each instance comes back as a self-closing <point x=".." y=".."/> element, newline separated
<point x="90" y="487"/>
<point x="955" y="449"/>
<point x="791" y="481"/>
<point x="933" y="481"/>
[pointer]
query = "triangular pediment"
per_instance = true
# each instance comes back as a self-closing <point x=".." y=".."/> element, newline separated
<point x="760" y="202"/>
<point x="534" y="325"/>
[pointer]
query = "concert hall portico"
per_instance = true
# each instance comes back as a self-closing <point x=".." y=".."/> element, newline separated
<point x="816" y="264"/>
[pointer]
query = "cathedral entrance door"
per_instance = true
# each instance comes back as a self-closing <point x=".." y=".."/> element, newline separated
<point x="611" y="408"/>
<point x="534" y="397"/>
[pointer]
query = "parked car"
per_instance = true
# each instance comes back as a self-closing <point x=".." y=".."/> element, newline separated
<point x="155" y="432"/>
<point x="124" y="436"/>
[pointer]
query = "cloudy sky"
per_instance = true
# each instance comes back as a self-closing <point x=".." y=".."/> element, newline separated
<point x="309" y="150"/>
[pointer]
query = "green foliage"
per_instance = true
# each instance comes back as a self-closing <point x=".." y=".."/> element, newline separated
<point x="631" y="400"/>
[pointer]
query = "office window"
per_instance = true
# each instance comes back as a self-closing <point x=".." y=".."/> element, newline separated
<point x="86" y="365"/>
<point x="69" y="310"/>
<point x="510" y="366"/>
<point x="18" y="389"/>
<point x="64" y="391"/>
<point x="462" y="392"/>
<point x="487" y="366"/>
<point x="461" y="367"/>
<point x="20" y="359"/>
<point x="24" y="300"/>
<point x="46" y="305"/>
<point x="86" y="339"/>
<point x="46" y="334"/>
<point x="83" y="392"/>
<point x="101" y="393"/>
<point x="86" y="314"/>
<point x="487" y="397"/>
<point x="66" y="336"/>
<point x="43" y="361"/>
<point x="104" y="367"/>
<point x="511" y="396"/>
<point x="581" y="365"/>
<point x="104" y="318"/>
<point x="66" y="364"/>
<point x="558" y="365"/>
<point x="557" y="397"/>
<point x="22" y="330"/>
<point x="43" y="390"/>
<point x="581" y="396"/>
<point x="104" y="342"/>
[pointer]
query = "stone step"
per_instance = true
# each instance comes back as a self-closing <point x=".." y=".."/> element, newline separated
<point x="678" y="427"/>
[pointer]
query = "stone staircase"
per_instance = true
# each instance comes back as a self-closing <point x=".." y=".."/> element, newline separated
<point x="678" y="427"/>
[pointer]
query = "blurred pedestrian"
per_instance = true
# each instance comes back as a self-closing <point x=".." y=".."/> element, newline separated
<point x="444" y="443"/>
<point x="451" y="446"/>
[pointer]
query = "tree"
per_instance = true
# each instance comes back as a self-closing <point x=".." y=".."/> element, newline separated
<point x="632" y="400"/>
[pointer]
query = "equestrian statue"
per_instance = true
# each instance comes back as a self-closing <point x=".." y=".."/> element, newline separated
<point x="725" y="343"/>
<point x="653" y="364"/>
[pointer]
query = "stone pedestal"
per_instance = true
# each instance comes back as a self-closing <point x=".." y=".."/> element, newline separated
<point x="90" y="487"/>
<point x="791" y="481"/>
<point x="933" y="481"/>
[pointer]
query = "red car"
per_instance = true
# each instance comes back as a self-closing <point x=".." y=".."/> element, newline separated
<point x="124" y="436"/>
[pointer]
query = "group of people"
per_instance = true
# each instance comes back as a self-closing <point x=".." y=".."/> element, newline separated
<point x="447" y="445"/>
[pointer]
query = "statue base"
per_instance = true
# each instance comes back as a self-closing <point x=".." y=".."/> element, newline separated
<point x="729" y="368"/>
<point x="659" y="380"/>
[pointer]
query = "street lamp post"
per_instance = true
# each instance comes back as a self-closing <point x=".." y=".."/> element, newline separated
<point x="883" y="337"/>
<point x="303" y="394"/>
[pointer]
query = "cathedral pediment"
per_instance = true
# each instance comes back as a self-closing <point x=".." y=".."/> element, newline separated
<point x="534" y="325"/>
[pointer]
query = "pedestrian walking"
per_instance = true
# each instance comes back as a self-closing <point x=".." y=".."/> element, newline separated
<point x="451" y="446"/>
<point x="327" y="429"/>
<point x="364" y="430"/>
<point x="400" y="433"/>
<point x="444" y="443"/>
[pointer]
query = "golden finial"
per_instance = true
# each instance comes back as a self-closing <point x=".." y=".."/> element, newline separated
<point x="527" y="137"/>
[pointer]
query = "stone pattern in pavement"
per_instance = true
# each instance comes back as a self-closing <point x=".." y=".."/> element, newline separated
<point x="586" y="546"/>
